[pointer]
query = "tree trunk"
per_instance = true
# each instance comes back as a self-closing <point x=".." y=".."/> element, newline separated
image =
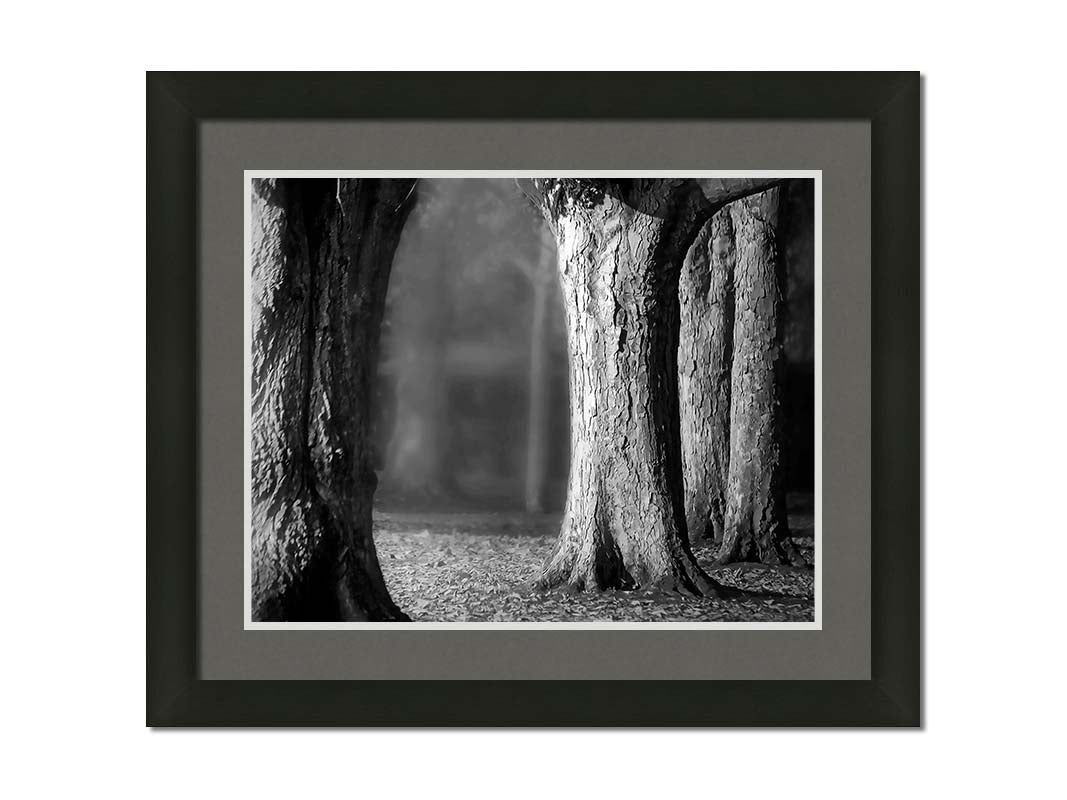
<point x="756" y="528"/>
<point x="537" y="413"/>
<point x="705" y="352"/>
<point x="619" y="259"/>
<point x="321" y="256"/>
<point x="542" y="279"/>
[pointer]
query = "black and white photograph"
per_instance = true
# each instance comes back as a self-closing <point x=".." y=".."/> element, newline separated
<point x="527" y="399"/>
<point x="533" y="398"/>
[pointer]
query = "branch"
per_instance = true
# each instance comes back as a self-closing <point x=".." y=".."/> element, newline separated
<point x="414" y="183"/>
<point x="723" y="191"/>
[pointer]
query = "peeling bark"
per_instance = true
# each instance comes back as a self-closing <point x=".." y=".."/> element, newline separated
<point x="756" y="527"/>
<point x="321" y="256"/>
<point x="620" y="249"/>
<point x="705" y="353"/>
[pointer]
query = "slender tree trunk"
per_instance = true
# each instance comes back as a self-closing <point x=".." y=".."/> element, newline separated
<point x="321" y="256"/>
<point x="537" y="413"/>
<point x="705" y="353"/>
<point x="756" y="528"/>
<point x="542" y="277"/>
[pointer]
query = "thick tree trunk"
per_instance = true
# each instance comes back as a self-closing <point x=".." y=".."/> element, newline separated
<point x="321" y="255"/>
<point x="705" y="352"/>
<point x="756" y="528"/>
<point x="619" y="260"/>
<point x="620" y="249"/>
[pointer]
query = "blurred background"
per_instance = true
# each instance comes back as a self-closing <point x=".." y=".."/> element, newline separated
<point x="471" y="406"/>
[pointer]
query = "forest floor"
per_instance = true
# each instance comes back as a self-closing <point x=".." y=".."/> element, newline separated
<point x="480" y="567"/>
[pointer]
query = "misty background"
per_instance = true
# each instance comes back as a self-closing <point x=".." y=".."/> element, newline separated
<point x="471" y="404"/>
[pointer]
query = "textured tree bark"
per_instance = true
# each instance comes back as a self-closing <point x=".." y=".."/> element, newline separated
<point x="620" y="249"/>
<point x="705" y="352"/>
<point x="321" y="255"/>
<point x="756" y="527"/>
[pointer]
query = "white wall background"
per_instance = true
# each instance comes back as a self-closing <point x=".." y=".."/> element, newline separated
<point x="73" y="395"/>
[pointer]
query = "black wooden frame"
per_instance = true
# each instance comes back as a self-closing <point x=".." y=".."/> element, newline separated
<point x="177" y="102"/>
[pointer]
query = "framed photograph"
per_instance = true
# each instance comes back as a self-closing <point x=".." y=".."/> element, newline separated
<point x="533" y="399"/>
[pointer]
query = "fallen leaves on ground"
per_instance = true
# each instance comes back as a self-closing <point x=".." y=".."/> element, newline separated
<point x="481" y="568"/>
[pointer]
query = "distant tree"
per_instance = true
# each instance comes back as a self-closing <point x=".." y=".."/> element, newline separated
<point x="536" y="261"/>
<point x="417" y="452"/>
<point x="321" y="255"/>
<point x="461" y="247"/>
<point x="621" y="244"/>
<point x="544" y="283"/>
<point x="514" y="235"/>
